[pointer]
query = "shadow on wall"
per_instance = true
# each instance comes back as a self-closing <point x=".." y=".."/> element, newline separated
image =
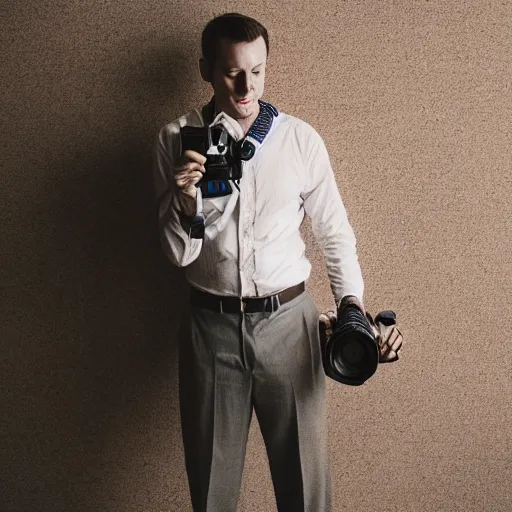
<point x="103" y="428"/>
<point x="132" y="300"/>
<point x="128" y="302"/>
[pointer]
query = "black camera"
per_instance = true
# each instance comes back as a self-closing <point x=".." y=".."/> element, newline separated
<point x="223" y="154"/>
<point x="351" y="353"/>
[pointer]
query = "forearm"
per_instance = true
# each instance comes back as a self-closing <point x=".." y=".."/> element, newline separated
<point x="186" y="205"/>
<point x="180" y="230"/>
<point x="180" y="233"/>
<point x="342" y="263"/>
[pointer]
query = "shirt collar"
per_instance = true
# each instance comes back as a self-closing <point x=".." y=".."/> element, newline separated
<point x="261" y="125"/>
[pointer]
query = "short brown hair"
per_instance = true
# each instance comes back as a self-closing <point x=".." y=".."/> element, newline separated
<point x="233" y="27"/>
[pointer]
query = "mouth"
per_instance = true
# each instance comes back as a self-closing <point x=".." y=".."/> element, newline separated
<point x="243" y="102"/>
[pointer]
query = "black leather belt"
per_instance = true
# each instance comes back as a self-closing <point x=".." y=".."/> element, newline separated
<point x="224" y="304"/>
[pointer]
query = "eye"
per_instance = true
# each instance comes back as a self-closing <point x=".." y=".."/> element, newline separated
<point x="256" y="72"/>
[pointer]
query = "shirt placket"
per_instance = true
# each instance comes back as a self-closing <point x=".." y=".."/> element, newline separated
<point x="246" y="231"/>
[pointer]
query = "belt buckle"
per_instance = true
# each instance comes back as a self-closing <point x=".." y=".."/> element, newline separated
<point x="275" y="303"/>
<point x="242" y="305"/>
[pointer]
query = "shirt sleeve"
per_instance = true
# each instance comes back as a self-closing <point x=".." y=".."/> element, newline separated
<point x="331" y="227"/>
<point x="181" y="236"/>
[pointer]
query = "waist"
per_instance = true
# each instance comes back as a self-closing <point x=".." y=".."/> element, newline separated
<point x="222" y="276"/>
<point x="230" y="304"/>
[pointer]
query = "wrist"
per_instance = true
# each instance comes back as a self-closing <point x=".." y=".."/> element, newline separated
<point x="350" y="299"/>
<point x="187" y="204"/>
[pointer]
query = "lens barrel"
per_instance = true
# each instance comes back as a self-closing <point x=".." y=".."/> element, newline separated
<point x="351" y="354"/>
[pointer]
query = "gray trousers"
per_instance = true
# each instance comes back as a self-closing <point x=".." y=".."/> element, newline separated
<point x="232" y="363"/>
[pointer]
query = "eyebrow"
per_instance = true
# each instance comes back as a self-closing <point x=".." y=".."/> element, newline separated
<point x="236" y="69"/>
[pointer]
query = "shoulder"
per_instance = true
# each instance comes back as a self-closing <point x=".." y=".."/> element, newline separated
<point x="305" y="137"/>
<point x="302" y="129"/>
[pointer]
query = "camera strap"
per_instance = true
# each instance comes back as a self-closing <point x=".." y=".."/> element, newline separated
<point x="248" y="145"/>
<point x="245" y="147"/>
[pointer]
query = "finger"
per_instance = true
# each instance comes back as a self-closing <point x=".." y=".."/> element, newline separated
<point x="182" y="181"/>
<point x="332" y="318"/>
<point x="195" y="156"/>
<point x="384" y="350"/>
<point x="391" y="337"/>
<point x="326" y="325"/>
<point x="396" y="341"/>
<point x="192" y="175"/>
<point x="189" y="178"/>
<point x="322" y="328"/>
<point x="324" y="319"/>
<point x="195" y="177"/>
<point x="189" y="167"/>
<point x="389" y="357"/>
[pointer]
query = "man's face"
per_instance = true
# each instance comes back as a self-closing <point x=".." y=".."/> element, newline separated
<point x="238" y="77"/>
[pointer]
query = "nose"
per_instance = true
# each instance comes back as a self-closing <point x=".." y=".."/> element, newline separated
<point x="244" y="84"/>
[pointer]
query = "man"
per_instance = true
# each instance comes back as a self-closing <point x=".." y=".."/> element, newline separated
<point x="251" y="339"/>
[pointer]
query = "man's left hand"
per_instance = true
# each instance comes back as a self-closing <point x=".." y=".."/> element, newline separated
<point x="390" y="341"/>
<point x="388" y="337"/>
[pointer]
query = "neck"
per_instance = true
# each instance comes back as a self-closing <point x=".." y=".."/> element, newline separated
<point x="245" y="123"/>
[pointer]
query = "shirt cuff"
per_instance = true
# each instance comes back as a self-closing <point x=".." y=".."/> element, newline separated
<point x="194" y="224"/>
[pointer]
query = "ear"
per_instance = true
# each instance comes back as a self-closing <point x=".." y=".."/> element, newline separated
<point x="205" y="70"/>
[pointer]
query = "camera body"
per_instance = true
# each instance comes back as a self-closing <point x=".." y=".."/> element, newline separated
<point x="351" y="353"/>
<point x="222" y="152"/>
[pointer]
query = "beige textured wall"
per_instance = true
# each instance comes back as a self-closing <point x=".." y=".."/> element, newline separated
<point x="414" y="101"/>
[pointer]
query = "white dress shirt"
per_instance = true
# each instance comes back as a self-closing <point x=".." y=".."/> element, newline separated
<point x="252" y="245"/>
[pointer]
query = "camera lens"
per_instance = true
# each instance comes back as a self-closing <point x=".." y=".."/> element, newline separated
<point x="244" y="149"/>
<point x="351" y="353"/>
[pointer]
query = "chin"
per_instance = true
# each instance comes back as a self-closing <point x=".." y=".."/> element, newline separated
<point x="249" y="108"/>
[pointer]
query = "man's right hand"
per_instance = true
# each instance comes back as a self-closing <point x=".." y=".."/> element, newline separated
<point x="188" y="171"/>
